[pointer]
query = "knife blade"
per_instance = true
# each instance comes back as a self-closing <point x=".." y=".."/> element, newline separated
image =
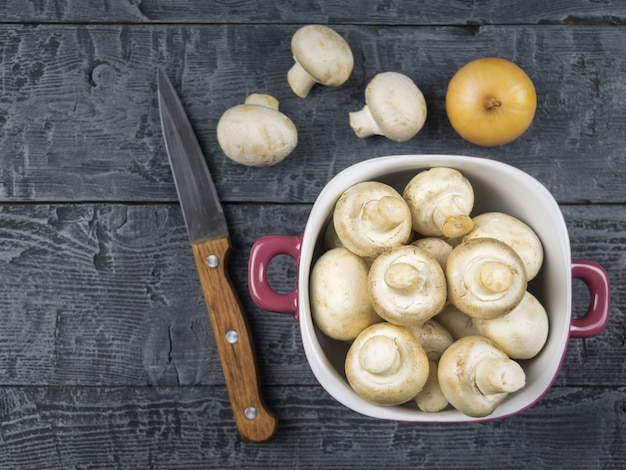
<point x="210" y="242"/>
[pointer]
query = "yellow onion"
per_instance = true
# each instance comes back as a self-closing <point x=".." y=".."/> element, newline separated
<point x="490" y="101"/>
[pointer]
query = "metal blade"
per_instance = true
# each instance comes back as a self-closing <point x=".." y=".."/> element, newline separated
<point x="199" y="201"/>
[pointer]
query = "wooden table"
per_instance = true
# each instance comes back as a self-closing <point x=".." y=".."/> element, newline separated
<point x="107" y="358"/>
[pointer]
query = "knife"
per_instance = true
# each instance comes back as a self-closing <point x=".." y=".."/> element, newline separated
<point x="210" y="242"/>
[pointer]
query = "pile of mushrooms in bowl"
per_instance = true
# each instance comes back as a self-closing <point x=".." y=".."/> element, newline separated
<point x="442" y="294"/>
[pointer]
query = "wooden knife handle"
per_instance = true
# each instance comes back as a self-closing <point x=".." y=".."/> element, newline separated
<point x="232" y="335"/>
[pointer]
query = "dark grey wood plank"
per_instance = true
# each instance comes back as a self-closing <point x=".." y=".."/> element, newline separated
<point x="80" y="121"/>
<point x="107" y="358"/>
<point x="462" y="12"/>
<point x="191" y="427"/>
<point x="108" y="295"/>
<point x="598" y="233"/>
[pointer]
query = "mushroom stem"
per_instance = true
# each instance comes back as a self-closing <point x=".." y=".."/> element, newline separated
<point x="379" y="355"/>
<point x="496" y="277"/>
<point x="385" y="213"/>
<point x="393" y="209"/>
<point x="300" y="81"/>
<point x="261" y="99"/>
<point x="499" y="375"/>
<point x="404" y="277"/>
<point x="364" y="124"/>
<point x="451" y="216"/>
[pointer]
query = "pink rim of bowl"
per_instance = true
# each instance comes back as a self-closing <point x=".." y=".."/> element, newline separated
<point x="519" y="195"/>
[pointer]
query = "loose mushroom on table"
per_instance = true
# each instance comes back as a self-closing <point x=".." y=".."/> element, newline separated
<point x="321" y="56"/>
<point x="394" y="107"/>
<point x="256" y="133"/>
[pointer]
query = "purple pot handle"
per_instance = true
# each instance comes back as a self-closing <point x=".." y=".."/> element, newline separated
<point x="261" y="254"/>
<point x="594" y="321"/>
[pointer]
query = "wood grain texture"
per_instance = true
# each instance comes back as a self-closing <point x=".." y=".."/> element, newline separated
<point x="109" y="295"/>
<point x="107" y="356"/>
<point x="430" y="12"/>
<point x="233" y="339"/>
<point x="190" y="428"/>
<point x="79" y="116"/>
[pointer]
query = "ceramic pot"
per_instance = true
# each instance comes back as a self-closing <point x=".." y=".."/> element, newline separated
<point x="497" y="187"/>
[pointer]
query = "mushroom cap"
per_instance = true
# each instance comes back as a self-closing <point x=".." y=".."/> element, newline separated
<point x="437" y="247"/>
<point x="386" y="365"/>
<point x="256" y="135"/>
<point x="441" y="200"/>
<point x="456" y="322"/>
<point x="433" y="337"/>
<point x="521" y="333"/>
<point x="431" y="399"/>
<point x="407" y="285"/>
<point x="323" y="54"/>
<point x="340" y="303"/>
<point x="475" y="375"/>
<point x="513" y="232"/>
<point x="371" y="217"/>
<point x="486" y="278"/>
<point x="396" y="104"/>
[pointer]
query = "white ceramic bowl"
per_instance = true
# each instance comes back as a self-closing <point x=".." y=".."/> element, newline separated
<point x="497" y="187"/>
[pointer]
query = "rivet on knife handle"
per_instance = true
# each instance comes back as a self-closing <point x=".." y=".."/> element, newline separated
<point x="255" y="422"/>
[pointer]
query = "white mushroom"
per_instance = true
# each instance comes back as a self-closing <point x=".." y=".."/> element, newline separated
<point x="386" y="365"/>
<point x="340" y="304"/>
<point x="475" y="375"/>
<point x="441" y="200"/>
<point x="395" y="107"/>
<point x="431" y="399"/>
<point x="456" y="322"/>
<point x="437" y="247"/>
<point x="513" y="232"/>
<point x="256" y="133"/>
<point x="407" y="286"/>
<point x="486" y="278"/>
<point x="321" y="56"/>
<point x="522" y="333"/>
<point x="433" y="337"/>
<point x="370" y="217"/>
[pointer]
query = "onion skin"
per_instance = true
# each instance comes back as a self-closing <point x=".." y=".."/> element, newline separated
<point x="490" y="101"/>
